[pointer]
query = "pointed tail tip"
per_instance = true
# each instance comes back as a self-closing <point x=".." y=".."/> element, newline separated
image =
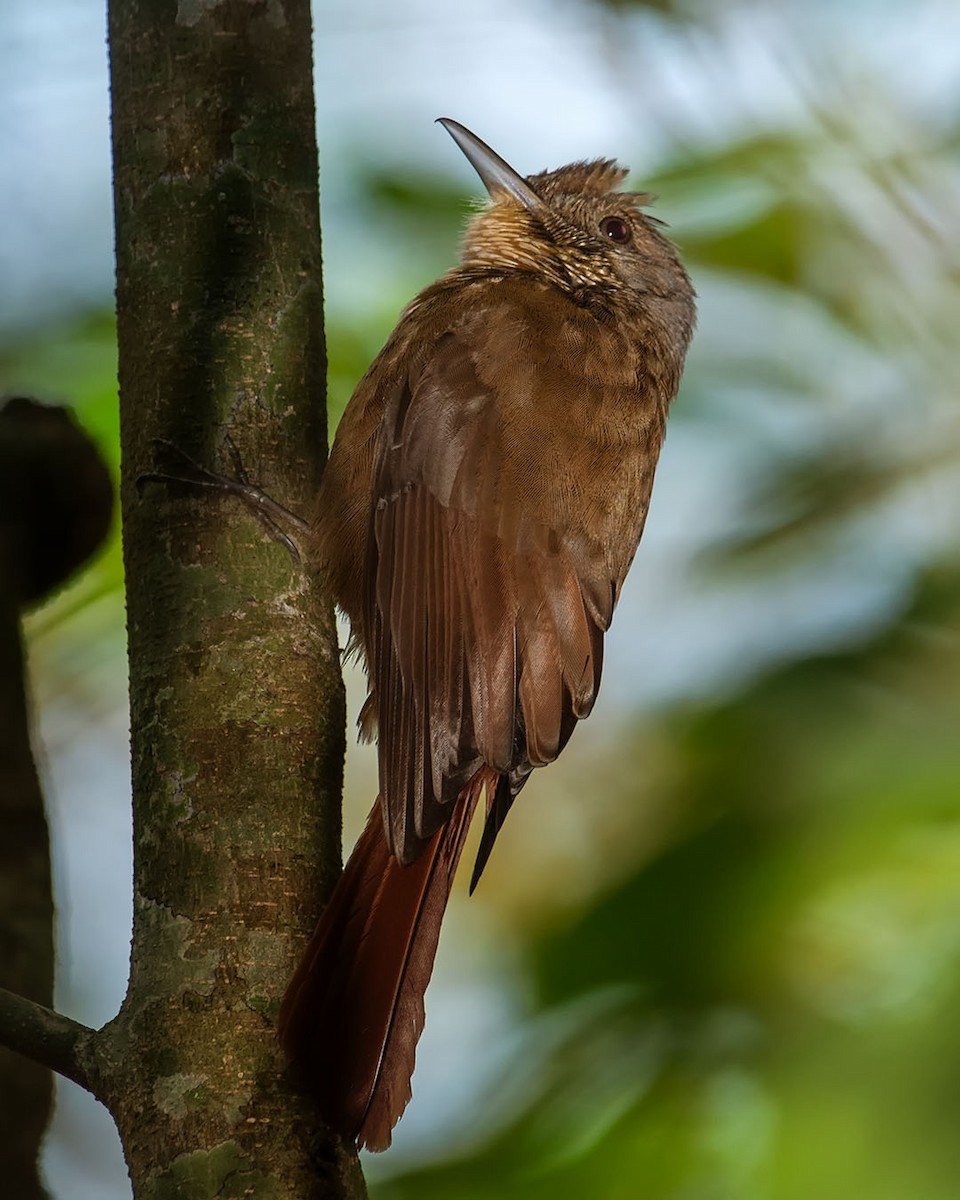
<point x="355" y="1006"/>
<point x="376" y="1135"/>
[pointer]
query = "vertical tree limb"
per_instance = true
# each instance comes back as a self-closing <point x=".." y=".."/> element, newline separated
<point x="236" y="698"/>
<point x="26" y="917"/>
<point x="55" y="506"/>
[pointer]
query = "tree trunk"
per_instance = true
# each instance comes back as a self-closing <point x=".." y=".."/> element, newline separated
<point x="236" y="698"/>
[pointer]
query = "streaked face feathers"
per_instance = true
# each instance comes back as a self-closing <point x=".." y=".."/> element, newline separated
<point x="587" y="234"/>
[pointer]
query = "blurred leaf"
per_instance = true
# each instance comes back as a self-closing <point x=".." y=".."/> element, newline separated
<point x="424" y="199"/>
<point x="810" y="498"/>
<point x="774" y="247"/>
<point x="668" y="929"/>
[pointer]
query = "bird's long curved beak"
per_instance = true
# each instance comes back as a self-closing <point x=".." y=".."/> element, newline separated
<point x="496" y="174"/>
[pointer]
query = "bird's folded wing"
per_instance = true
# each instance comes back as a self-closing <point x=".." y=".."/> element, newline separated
<point x="484" y="621"/>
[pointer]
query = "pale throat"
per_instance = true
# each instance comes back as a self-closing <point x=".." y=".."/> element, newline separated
<point x="503" y="236"/>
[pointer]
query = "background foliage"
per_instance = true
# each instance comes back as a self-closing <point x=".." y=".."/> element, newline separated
<point x="717" y="953"/>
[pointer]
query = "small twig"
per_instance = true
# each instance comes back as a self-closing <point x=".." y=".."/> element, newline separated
<point x="45" y="1036"/>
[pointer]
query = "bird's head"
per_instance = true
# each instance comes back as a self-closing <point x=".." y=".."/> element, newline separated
<point x="570" y="225"/>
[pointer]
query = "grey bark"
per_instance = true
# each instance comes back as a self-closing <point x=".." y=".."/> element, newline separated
<point x="235" y="690"/>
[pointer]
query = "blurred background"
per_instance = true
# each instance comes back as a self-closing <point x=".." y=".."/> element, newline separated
<point x="716" y="955"/>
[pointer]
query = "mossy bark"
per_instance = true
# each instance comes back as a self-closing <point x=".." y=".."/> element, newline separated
<point x="237" y="714"/>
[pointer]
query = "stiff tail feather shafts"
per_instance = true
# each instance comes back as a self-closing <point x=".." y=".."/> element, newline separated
<point x="354" y="1011"/>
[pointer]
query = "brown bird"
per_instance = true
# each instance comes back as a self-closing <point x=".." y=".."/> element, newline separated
<point x="483" y="501"/>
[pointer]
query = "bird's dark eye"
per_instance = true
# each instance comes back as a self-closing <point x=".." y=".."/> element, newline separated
<point x="616" y="229"/>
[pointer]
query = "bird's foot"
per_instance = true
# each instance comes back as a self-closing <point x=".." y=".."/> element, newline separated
<point x="271" y="514"/>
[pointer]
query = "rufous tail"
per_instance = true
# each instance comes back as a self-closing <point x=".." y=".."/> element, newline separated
<point x="353" y="1013"/>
